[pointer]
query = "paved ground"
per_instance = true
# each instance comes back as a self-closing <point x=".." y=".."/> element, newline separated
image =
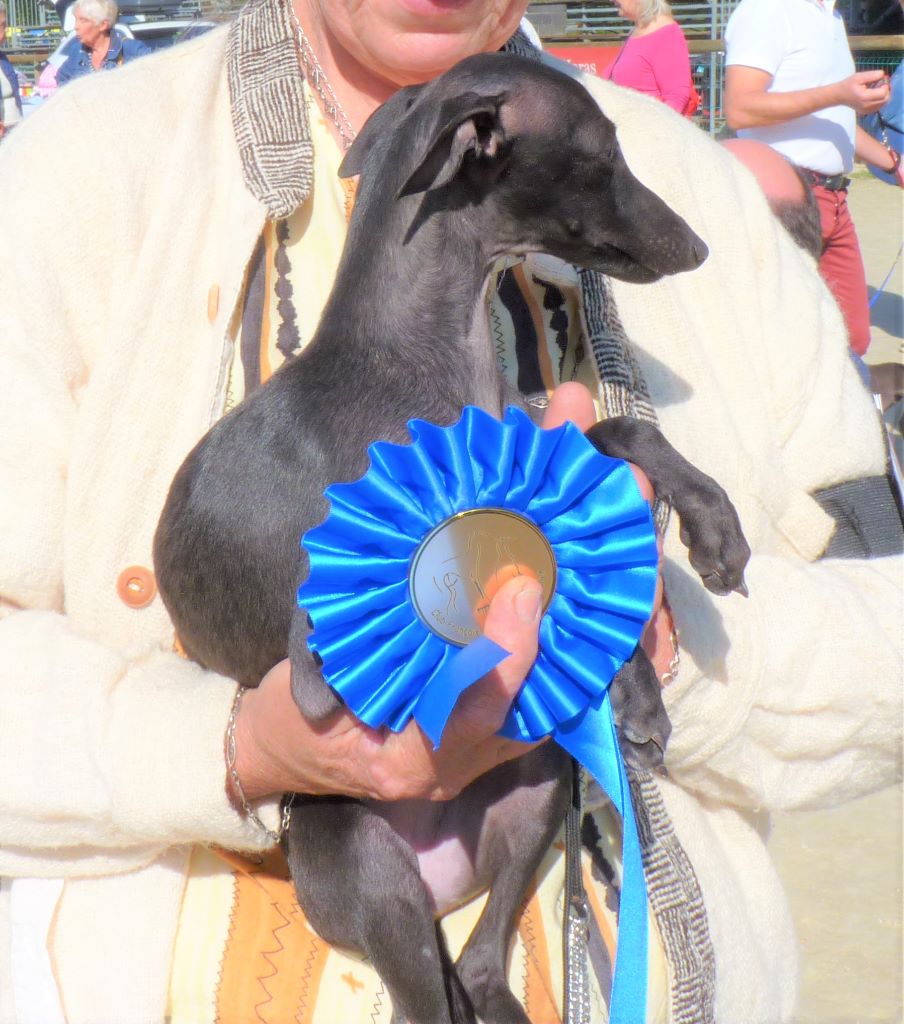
<point x="878" y="211"/>
<point x="843" y="868"/>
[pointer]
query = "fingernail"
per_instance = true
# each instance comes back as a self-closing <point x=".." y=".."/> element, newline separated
<point x="527" y="603"/>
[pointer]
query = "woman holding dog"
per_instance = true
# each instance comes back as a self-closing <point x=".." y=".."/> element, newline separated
<point x="160" y="308"/>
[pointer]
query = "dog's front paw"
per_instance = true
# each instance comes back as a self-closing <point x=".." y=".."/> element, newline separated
<point x="710" y="527"/>
<point x="641" y="720"/>
<point x="711" y="531"/>
<point x="641" y="757"/>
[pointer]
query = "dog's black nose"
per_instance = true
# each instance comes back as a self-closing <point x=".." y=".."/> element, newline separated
<point x="700" y="251"/>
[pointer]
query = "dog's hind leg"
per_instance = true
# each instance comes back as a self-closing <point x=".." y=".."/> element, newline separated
<point x="519" y="829"/>
<point x="710" y="527"/>
<point x="380" y="908"/>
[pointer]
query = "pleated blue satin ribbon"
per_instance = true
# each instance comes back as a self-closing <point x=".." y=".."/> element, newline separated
<point x="389" y="667"/>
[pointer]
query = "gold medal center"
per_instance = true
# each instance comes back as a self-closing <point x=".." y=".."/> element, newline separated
<point x="460" y="565"/>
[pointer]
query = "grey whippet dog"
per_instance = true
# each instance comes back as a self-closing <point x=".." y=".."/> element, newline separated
<point x="500" y="155"/>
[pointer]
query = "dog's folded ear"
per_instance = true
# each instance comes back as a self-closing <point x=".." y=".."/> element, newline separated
<point x="467" y="124"/>
<point x="375" y="127"/>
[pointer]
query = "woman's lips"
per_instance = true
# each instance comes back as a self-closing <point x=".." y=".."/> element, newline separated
<point x="434" y="7"/>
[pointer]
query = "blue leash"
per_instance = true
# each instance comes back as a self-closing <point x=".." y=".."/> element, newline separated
<point x="881" y="288"/>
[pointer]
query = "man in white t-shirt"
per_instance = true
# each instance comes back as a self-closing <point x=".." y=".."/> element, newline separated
<point x="790" y="82"/>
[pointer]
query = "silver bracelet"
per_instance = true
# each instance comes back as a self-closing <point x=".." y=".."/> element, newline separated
<point x="247" y="809"/>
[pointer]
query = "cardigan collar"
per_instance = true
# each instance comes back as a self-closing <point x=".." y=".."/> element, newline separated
<point x="269" y="113"/>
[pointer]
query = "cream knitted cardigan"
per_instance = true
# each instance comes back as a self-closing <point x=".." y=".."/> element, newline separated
<point x="114" y="327"/>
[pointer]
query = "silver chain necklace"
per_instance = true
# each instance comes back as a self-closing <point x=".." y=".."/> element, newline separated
<point x="321" y="85"/>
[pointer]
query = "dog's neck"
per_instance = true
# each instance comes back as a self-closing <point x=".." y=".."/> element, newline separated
<point x="417" y="297"/>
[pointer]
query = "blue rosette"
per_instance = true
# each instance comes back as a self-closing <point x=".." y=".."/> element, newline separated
<point x="388" y="661"/>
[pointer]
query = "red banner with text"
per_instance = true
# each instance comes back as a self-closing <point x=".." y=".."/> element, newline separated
<point x="593" y="59"/>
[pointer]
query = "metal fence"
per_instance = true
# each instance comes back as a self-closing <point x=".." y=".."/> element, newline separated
<point x="708" y="72"/>
<point x="597" y="19"/>
<point x="703" y="24"/>
<point x="601" y="21"/>
<point x="30" y="12"/>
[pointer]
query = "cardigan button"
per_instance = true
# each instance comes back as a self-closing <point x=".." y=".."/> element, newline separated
<point x="136" y="586"/>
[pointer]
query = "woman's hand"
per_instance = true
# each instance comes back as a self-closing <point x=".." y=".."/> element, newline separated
<point x="278" y="751"/>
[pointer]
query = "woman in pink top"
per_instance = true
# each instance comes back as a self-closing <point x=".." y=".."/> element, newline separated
<point x="655" y="58"/>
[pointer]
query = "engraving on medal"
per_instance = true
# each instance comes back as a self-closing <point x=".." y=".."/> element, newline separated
<point x="461" y="564"/>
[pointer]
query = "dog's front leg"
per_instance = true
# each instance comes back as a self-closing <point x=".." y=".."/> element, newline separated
<point x="710" y="527"/>
<point x="314" y="698"/>
<point x="640" y="717"/>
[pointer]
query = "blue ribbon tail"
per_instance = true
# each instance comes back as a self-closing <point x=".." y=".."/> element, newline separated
<point x="591" y="738"/>
<point x="438" y="697"/>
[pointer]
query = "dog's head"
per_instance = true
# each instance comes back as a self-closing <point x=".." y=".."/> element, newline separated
<point x="525" y="153"/>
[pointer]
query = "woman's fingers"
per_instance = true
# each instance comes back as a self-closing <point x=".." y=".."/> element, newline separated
<point x="512" y="622"/>
<point x="570" y="401"/>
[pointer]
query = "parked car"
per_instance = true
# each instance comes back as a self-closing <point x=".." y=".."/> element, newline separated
<point x="158" y="32"/>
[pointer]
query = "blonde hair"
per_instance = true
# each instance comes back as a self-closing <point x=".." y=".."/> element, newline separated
<point x="647" y="10"/>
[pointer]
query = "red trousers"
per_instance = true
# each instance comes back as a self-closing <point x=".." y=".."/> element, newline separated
<point x="841" y="265"/>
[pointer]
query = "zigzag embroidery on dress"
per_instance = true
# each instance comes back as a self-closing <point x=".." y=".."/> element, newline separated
<point x="306" y="979"/>
<point x="266" y="954"/>
<point x="498" y="338"/>
<point x="528" y="940"/>
<point x="378" y="1004"/>
<point x="230" y="937"/>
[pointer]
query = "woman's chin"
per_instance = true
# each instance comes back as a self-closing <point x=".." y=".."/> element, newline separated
<point x="430" y="55"/>
<point x="411" y="41"/>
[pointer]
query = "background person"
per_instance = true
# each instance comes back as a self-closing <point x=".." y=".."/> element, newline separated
<point x="790" y="82"/>
<point x="46" y="84"/>
<point x="10" y="94"/>
<point x="886" y="126"/>
<point x="103" y="46"/>
<point x="654" y="58"/>
<point x="120" y="902"/>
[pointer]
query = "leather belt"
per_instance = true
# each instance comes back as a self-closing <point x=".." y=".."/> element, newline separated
<point x="831" y="182"/>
